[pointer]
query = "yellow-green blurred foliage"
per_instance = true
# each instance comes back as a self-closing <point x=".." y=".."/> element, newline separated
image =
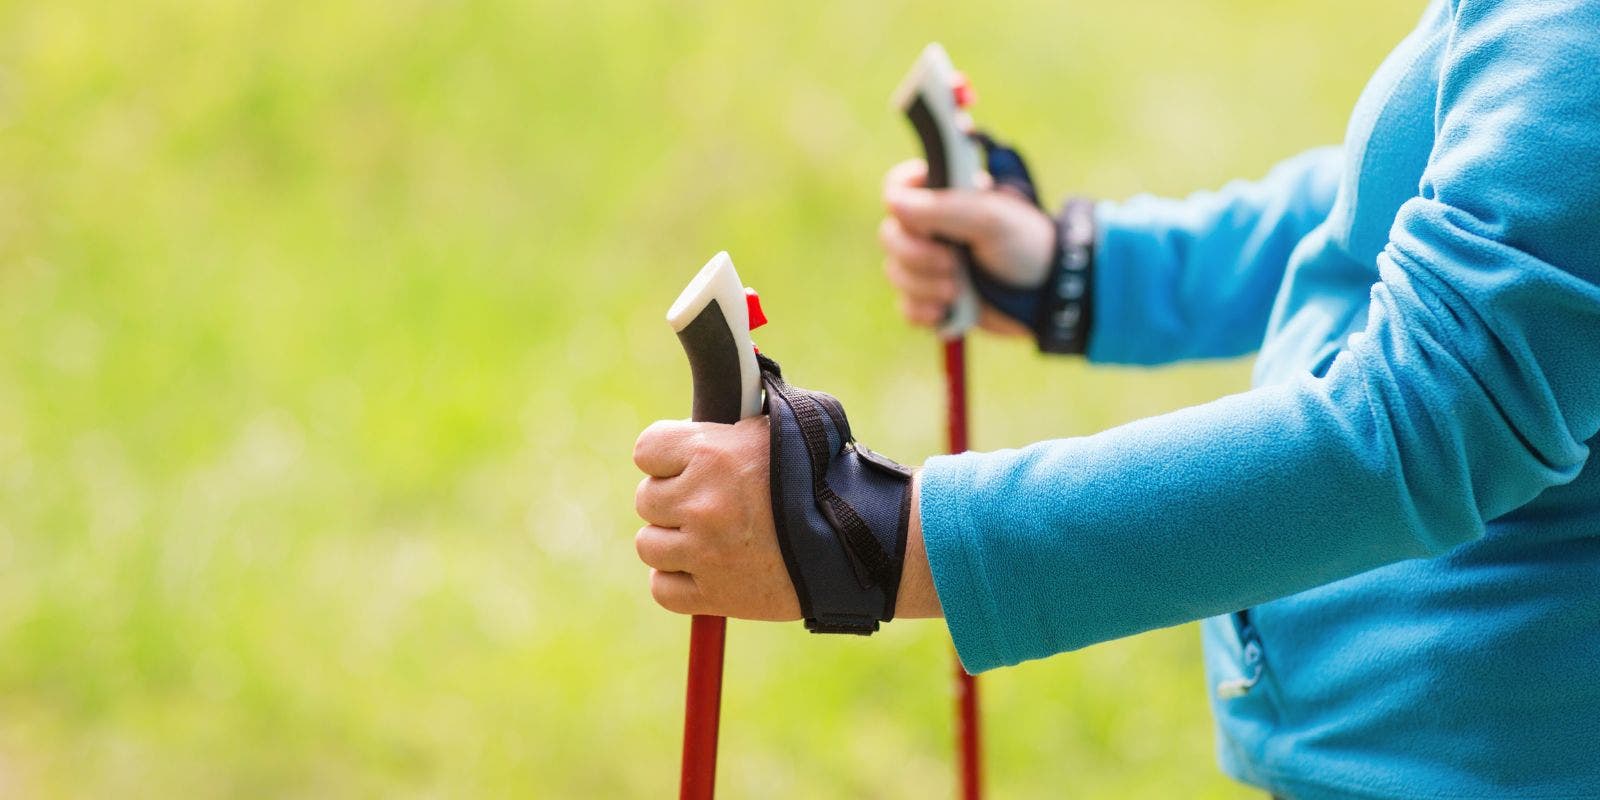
<point x="326" y="329"/>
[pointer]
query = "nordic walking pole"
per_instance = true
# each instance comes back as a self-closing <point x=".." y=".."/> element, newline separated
<point x="932" y="97"/>
<point x="713" y="318"/>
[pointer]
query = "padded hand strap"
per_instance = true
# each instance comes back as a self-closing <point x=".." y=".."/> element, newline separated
<point x="840" y="510"/>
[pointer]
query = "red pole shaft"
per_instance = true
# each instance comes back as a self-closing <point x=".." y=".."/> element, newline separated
<point x="955" y="390"/>
<point x="971" y="754"/>
<point x="702" y="708"/>
<point x="967" y="741"/>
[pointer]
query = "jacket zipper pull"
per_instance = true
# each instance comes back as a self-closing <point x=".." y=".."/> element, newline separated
<point x="1235" y="688"/>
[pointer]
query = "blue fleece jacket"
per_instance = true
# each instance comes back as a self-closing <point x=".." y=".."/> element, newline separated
<point x="1395" y="536"/>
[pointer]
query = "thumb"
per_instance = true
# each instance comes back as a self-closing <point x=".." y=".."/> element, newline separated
<point x="959" y="214"/>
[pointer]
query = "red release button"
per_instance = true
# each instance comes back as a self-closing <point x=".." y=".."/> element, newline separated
<point x="962" y="89"/>
<point x="752" y="302"/>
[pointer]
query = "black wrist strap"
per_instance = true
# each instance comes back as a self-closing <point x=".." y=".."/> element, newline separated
<point x="1066" y="303"/>
<point x="840" y="510"/>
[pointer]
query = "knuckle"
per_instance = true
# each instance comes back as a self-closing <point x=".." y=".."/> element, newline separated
<point x="709" y="452"/>
<point x="649" y="441"/>
<point x="659" y="589"/>
<point x="663" y="591"/>
<point x="700" y="509"/>
<point x="888" y="232"/>
<point x="912" y="251"/>
<point x="906" y="173"/>
<point x="899" y="277"/>
<point x="641" y="496"/>
<point x="917" y="313"/>
<point x="643" y="544"/>
<point x="641" y="448"/>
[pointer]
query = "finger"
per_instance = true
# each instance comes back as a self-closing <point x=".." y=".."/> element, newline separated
<point x="926" y="314"/>
<point x="959" y="214"/>
<point x="675" y="592"/>
<point x="666" y="549"/>
<point x="659" y="501"/>
<point x="920" y="255"/>
<point x="917" y="288"/>
<point x="912" y="173"/>
<point x="664" y="448"/>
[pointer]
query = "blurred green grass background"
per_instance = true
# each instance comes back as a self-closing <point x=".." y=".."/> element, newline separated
<point x="326" y="329"/>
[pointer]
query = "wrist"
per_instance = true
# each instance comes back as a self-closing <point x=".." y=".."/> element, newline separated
<point x="918" y="597"/>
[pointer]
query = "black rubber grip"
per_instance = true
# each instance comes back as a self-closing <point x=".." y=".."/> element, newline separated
<point x="714" y="366"/>
<point x="933" y="144"/>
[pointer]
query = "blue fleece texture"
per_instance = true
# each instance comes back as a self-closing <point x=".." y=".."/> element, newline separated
<point x="1405" y="502"/>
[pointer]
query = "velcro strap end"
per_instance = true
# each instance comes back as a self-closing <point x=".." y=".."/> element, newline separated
<point x="860" y="626"/>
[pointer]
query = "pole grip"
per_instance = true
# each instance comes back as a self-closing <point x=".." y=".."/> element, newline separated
<point x="712" y="320"/>
<point x="928" y="98"/>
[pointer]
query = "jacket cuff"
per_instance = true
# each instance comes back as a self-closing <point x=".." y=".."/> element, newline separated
<point x="1112" y="245"/>
<point x="955" y="558"/>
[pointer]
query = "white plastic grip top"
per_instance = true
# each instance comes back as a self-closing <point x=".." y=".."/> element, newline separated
<point x="927" y="98"/>
<point x="712" y="321"/>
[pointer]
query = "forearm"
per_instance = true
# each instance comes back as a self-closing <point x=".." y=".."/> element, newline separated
<point x="1196" y="277"/>
<point x="1215" y="508"/>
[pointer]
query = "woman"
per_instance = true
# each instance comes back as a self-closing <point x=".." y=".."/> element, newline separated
<point x="1394" y="538"/>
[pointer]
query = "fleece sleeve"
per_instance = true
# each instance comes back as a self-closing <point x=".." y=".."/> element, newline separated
<point x="1196" y="278"/>
<point x="1473" y="388"/>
